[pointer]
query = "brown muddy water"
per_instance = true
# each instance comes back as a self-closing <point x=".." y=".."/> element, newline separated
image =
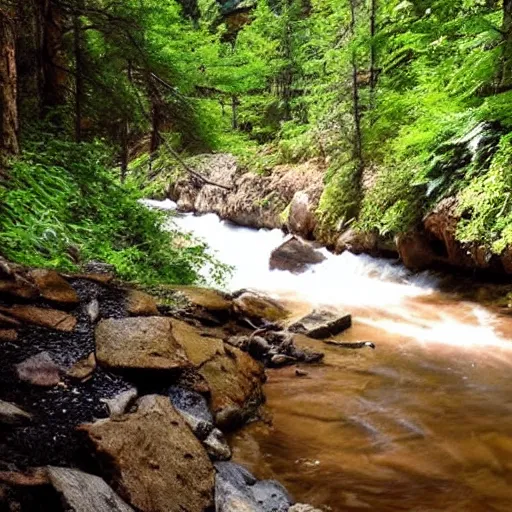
<point x="423" y="423"/>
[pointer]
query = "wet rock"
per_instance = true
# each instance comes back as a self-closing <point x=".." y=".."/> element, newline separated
<point x="83" y="369"/>
<point x="282" y="360"/>
<point x="321" y="324"/>
<point x="119" y="404"/>
<point x="295" y="256"/>
<point x="93" y="310"/>
<point x="235" y="381"/>
<point x="257" y="306"/>
<point x="198" y="348"/>
<point x="414" y="250"/>
<point x="302" y="218"/>
<point x="53" y="287"/>
<point x="194" y="409"/>
<point x="140" y="304"/>
<point x="82" y="492"/>
<point x="217" y="446"/>
<point x="8" y="335"/>
<point x="301" y="507"/>
<point x="301" y="373"/>
<point x="236" y="490"/>
<point x="49" y="318"/>
<point x="144" y="343"/>
<point x="39" y="370"/>
<point x="153" y="459"/>
<point x="11" y="414"/>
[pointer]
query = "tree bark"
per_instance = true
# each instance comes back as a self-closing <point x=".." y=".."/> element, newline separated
<point x="8" y="84"/>
<point x="356" y="103"/>
<point x="79" y="79"/>
<point x="373" y="53"/>
<point x="506" y="69"/>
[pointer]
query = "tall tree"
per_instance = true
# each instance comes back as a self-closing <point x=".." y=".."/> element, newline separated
<point x="8" y="81"/>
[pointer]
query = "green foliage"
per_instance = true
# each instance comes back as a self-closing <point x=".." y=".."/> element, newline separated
<point x="61" y="200"/>
<point x="485" y="204"/>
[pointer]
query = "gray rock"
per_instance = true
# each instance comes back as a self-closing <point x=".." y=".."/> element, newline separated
<point x="82" y="492"/>
<point x="217" y="446"/>
<point x="99" y="267"/>
<point x="282" y="360"/>
<point x="39" y="370"/>
<point x="321" y="324"/>
<point x="194" y="409"/>
<point x="11" y="414"/>
<point x="119" y="404"/>
<point x="236" y="490"/>
<point x="295" y="256"/>
<point x="93" y="310"/>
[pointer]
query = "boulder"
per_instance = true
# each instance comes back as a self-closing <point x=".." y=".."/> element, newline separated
<point x="258" y="307"/>
<point x="414" y="250"/>
<point x="39" y="370"/>
<point x="302" y="220"/>
<point x="82" y="492"/>
<point x="140" y="304"/>
<point x="120" y="403"/>
<point x="295" y="256"/>
<point x="139" y="343"/>
<point x="54" y="287"/>
<point x="235" y="381"/>
<point x="236" y="490"/>
<point x="217" y="446"/>
<point x="11" y="414"/>
<point x="153" y="459"/>
<point x="49" y="318"/>
<point x="320" y="324"/>
<point x="82" y="370"/>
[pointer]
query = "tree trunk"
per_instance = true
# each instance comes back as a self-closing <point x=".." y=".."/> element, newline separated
<point x="54" y="61"/>
<point x="373" y="53"/>
<point x="8" y="84"/>
<point x="79" y="79"/>
<point x="506" y="69"/>
<point x="356" y="104"/>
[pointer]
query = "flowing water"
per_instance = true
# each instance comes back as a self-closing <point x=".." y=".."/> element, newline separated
<point x="422" y="423"/>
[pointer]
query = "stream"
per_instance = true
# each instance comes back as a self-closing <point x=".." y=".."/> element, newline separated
<point x="422" y="423"/>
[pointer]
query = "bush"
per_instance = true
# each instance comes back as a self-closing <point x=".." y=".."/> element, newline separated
<point x="61" y="201"/>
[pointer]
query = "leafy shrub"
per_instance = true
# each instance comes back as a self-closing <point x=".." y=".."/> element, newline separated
<point x="61" y="200"/>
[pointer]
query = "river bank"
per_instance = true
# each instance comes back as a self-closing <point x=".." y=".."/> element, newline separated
<point x="109" y="400"/>
<point x="288" y="197"/>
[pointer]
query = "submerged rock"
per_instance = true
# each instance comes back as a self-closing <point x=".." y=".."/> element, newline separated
<point x="321" y="324"/>
<point x="237" y="490"/>
<point x="82" y="492"/>
<point x="153" y="459"/>
<point x="295" y="256"/>
<point x="144" y="343"/>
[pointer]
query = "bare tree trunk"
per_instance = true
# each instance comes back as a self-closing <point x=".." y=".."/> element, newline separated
<point x="234" y="113"/>
<point x="54" y="62"/>
<point x="506" y="69"/>
<point x="373" y="53"/>
<point x="356" y="104"/>
<point x="79" y="79"/>
<point x="8" y="84"/>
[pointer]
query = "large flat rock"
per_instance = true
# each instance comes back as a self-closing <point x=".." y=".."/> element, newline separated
<point x="144" y="343"/>
<point x="49" y="318"/>
<point x="320" y="324"/>
<point x="54" y="287"/>
<point x="154" y="460"/>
